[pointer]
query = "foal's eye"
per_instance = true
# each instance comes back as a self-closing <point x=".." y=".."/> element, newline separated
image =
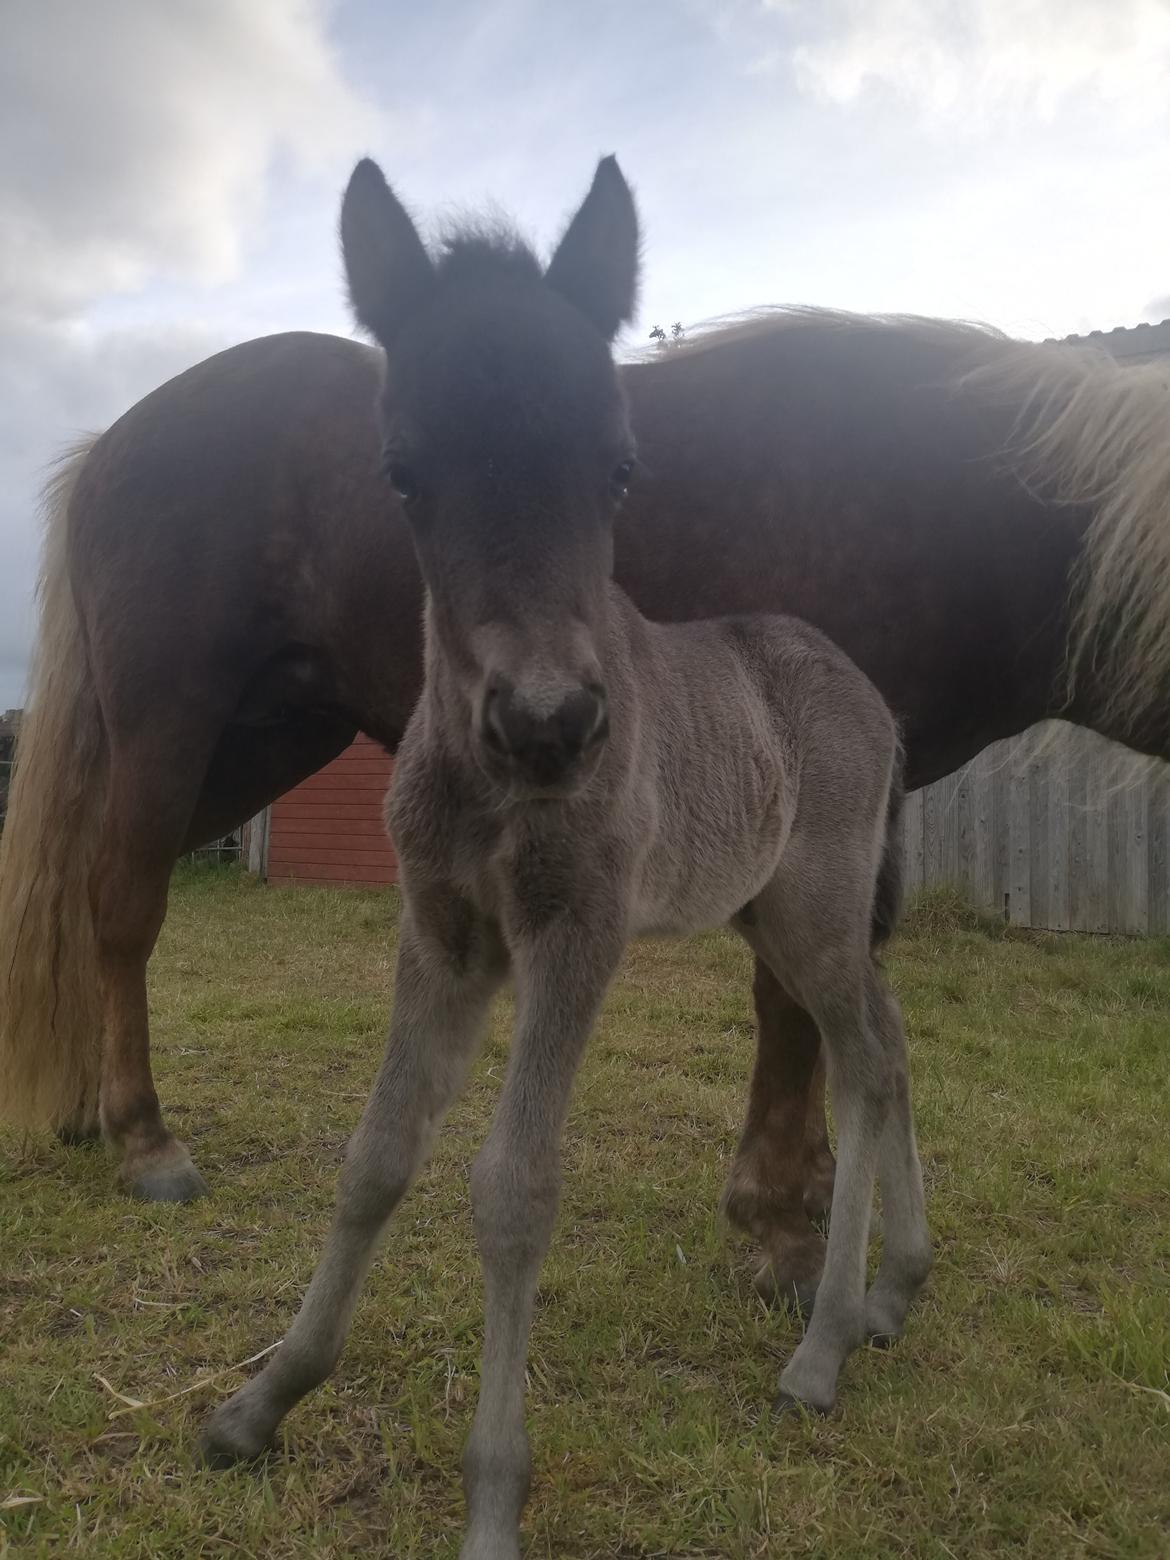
<point x="402" y="479"/>
<point x="620" y="479"/>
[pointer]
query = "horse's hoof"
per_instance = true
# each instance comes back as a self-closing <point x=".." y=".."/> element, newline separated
<point x="81" y="1134"/>
<point x="175" y="1186"/>
<point x="176" y="1182"/>
<point x="782" y="1289"/>
<point x="818" y="1198"/>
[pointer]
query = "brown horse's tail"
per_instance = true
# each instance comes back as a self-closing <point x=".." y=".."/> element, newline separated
<point x="887" y="898"/>
<point x="1091" y="432"/>
<point x="50" y="1024"/>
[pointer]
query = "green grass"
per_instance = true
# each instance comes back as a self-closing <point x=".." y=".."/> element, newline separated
<point x="1025" y="1413"/>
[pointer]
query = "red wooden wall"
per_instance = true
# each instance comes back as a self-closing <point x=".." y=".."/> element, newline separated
<point x="329" y="829"/>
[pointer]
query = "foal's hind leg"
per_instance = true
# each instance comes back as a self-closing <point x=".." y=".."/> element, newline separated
<point x="860" y="1082"/>
<point x="442" y="993"/>
<point x="906" y="1257"/>
<point x="811" y="925"/>
<point x="766" y="1188"/>
<point x="820" y="1167"/>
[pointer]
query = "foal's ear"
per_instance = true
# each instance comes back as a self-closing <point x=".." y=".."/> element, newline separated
<point x="596" y="264"/>
<point x="387" y="268"/>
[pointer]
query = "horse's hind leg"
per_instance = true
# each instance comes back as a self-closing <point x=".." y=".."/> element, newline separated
<point x="766" y="1188"/>
<point x="153" y="785"/>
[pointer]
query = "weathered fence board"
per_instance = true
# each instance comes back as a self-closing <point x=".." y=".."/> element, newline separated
<point x="1056" y="829"/>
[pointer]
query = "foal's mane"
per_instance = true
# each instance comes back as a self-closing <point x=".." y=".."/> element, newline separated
<point x="484" y="247"/>
<point x="1085" y="430"/>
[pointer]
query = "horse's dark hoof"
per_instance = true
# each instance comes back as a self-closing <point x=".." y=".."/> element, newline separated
<point x="818" y="1198"/>
<point x="797" y="1295"/>
<point x="80" y="1134"/>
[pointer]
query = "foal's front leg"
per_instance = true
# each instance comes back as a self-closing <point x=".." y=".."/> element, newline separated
<point x="443" y="989"/>
<point x="515" y="1188"/>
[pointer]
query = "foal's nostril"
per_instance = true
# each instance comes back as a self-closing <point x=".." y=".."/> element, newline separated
<point x="492" y="731"/>
<point x="585" y="717"/>
<point x="578" y="720"/>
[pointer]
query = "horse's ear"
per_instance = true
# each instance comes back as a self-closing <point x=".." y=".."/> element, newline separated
<point x="387" y="268"/>
<point x="596" y="263"/>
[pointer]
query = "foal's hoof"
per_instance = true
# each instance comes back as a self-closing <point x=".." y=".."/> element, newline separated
<point x="883" y="1325"/>
<point x="490" y="1546"/>
<point x="786" y="1406"/>
<point x="228" y="1438"/>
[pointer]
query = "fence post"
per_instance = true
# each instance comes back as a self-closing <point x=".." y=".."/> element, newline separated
<point x="258" y="843"/>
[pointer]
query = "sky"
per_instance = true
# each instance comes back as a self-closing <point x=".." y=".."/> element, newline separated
<point x="170" y="173"/>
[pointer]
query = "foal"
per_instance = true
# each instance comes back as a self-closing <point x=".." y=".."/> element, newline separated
<point x="575" y="776"/>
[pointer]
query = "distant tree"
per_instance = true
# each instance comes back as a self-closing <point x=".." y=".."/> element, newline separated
<point x="675" y="339"/>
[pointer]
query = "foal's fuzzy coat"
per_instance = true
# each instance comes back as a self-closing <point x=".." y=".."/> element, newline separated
<point x="575" y="776"/>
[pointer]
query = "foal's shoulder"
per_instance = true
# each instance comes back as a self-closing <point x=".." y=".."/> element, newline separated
<point x="780" y="637"/>
<point x="796" y="661"/>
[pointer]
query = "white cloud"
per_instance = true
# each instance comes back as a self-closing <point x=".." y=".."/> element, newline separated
<point x="136" y="137"/>
<point x="138" y="144"/>
<point x="969" y="63"/>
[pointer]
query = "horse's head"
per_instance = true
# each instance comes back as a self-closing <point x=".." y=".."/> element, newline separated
<point x="506" y="436"/>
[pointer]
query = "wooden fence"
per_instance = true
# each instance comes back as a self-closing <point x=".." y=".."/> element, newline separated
<point x="1056" y="829"/>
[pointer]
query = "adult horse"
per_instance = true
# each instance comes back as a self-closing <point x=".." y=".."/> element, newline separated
<point x="229" y="594"/>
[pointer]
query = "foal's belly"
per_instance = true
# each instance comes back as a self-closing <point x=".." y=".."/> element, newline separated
<point x="703" y="881"/>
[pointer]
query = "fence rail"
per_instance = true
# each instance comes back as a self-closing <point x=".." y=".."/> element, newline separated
<point x="1058" y="829"/>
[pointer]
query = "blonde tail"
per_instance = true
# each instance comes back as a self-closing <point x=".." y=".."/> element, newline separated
<point x="1092" y="431"/>
<point x="50" y="1019"/>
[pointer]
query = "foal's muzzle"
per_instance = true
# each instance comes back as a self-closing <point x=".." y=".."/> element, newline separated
<point x="544" y="749"/>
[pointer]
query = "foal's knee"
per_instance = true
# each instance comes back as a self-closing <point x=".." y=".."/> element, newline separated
<point x="513" y="1202"/>
<point x="373" y="1181"/>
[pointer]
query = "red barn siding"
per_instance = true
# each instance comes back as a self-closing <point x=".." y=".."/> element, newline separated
<point x="329" y="829"/>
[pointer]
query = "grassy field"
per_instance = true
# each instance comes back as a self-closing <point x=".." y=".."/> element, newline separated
<point x="1026" y="1412"/>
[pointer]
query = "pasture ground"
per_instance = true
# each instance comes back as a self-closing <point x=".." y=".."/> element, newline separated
<point x="1026" y="1412"/>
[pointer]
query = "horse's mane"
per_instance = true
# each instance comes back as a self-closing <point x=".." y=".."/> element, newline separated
<point x="1084" y="430"/>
